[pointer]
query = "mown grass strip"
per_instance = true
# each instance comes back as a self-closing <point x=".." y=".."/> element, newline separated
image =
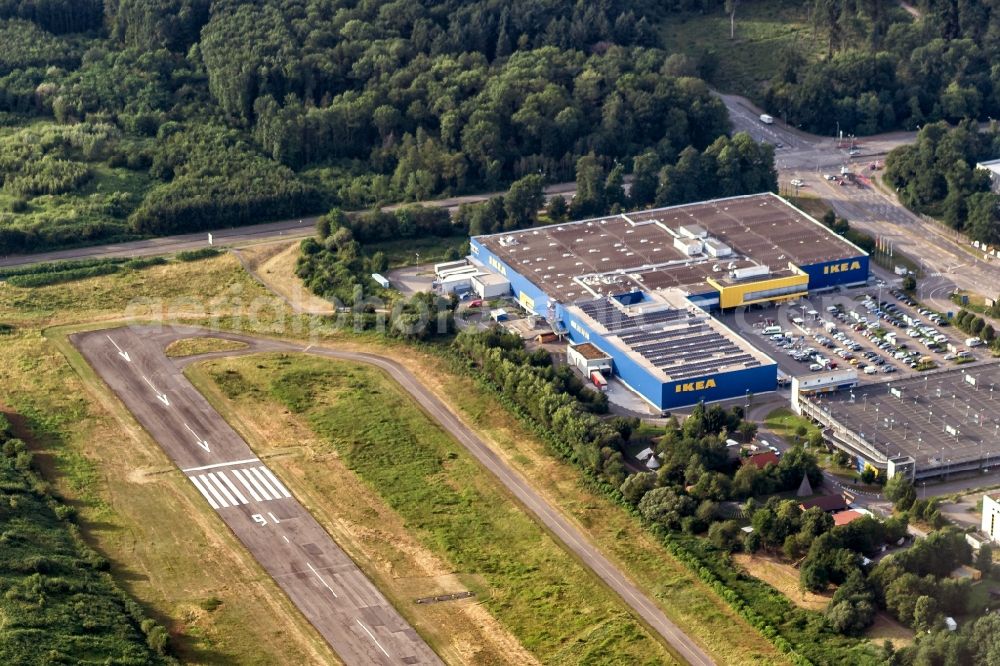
<point x="539" y="592"/>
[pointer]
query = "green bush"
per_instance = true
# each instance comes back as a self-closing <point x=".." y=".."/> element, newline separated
<point x="60" y="277"/>
<point x="196" y="255"/>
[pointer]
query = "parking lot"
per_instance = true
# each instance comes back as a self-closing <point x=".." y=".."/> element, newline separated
<point x="940" y="418"/>
<point x="879" y="331"/>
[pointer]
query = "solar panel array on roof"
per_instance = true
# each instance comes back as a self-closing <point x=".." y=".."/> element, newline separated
<point x="616" y="320"/>
<point x="681" y="351"/>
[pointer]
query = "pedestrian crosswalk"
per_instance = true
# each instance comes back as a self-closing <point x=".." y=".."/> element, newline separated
<point x="232" y="488"/>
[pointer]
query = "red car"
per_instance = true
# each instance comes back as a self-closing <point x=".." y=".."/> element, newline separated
<point x="478" y="303"/>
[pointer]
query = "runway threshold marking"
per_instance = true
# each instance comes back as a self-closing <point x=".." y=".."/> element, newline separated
<point x="316" y="573"/>
<point x="201" y="489"/>
<point x="372" y="636"/>
<point x="225" y="464"/>
<point x="221" y="492"/>
<point x="250" y="489"/>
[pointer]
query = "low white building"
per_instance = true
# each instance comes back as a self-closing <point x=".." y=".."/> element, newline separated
<point x="587" y="357"/>
<point x="991" y="516"/>
<point x="821" y="382"/>
<point x="490" y="285"/>
<point x="456" y="282"/>
<point x="993" y="166"/>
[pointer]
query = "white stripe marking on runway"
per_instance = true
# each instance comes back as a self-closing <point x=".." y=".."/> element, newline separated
<point x="215" y="493"/>
<point x="263" y="479"/>
<point x="239" y="495"/>
<point x="260" y="489"/>
<point x="214" y="479"/>
<point x="197" y="484"/>
<point x="274" y="480"/>
<point x="374" y="640"/>
<point x="250" y="489"/>
<point x="235" y="462"/>
<point x="316" y="573"/>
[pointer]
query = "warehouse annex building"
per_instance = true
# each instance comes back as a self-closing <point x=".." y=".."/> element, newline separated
<point x="638" y="286"/>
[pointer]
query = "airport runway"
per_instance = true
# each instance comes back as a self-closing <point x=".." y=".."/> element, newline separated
<point x="321" y="580"/>
<point x="309" y="561"/>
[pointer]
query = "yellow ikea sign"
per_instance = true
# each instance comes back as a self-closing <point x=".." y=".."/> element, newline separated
<point x="526" y="301"/>
<point x="842" y="267"/>
<point x="687" y="387"/>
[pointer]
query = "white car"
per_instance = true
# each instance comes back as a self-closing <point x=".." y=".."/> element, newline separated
<point x="870" y="369"/>
<point x="829" y="176"/>
<point x="797" y="182"/>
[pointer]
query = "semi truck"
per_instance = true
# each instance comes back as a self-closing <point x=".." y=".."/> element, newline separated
<point x="766" y="119"/>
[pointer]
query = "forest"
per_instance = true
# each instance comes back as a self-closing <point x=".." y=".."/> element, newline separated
<point x="59" y="603"/>
<point x="937" y="176"/>
<point x="882" y="68"/>
<point x="230" y="112"/>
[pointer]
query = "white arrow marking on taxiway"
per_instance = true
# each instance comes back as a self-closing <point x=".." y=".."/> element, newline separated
<point x="122" y="353"/>
<point x="162" y="397"/>
<point x="201" y="442"/>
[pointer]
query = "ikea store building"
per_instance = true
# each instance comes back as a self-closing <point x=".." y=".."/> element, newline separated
<point x="640" y="286"/>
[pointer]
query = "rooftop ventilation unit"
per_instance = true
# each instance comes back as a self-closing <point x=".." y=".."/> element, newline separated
<point x="750" y="272"/>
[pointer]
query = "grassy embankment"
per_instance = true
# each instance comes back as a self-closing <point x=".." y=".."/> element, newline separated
<point x="429" y="494"/>
<point x="195" y="346"/>
<point x="680" y="593"/>
<point x="123" y="487"/>
<point x="166" y="548"/>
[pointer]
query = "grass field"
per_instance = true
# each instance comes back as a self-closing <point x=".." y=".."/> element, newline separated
<point x="453" y="509"/>
<point x="763" y="31"/>
<point x="784" y="423"/>
<point x="195" y="346"/>
<point x="166" y="547"/>
<point x="783" y="577"/>
<point x="137" y="512"/>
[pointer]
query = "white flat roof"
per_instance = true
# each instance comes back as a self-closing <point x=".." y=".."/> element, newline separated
<point x="491" y="278"/>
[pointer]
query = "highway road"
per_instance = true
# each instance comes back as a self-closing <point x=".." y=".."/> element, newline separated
<point x="946" y="260"/>
<point x="309" y="560"/>
<point x="320" y="579"/>
<point x="233" y="236"/>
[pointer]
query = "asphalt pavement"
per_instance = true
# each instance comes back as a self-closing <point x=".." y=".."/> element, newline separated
<point x="293" y="229"/>
<point x="332" y="593"/>
<point x="320" y="579"/>
<point x="946" y="259"/>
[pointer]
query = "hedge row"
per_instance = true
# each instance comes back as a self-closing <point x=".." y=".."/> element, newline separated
<point x="57" y="267"/>
<point x="46" y="279"/>
<point x="692" y="561"/>
<point x="43" y="275"/>
<point x="195" y="255"/>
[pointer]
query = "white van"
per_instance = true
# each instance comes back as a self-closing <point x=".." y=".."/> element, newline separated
<point x="771" y="330"/>
<point x="870" y="369"/>
<point x="973" y="342"/>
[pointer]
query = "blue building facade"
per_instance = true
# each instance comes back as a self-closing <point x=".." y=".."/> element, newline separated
<point x="630" y="369"/>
